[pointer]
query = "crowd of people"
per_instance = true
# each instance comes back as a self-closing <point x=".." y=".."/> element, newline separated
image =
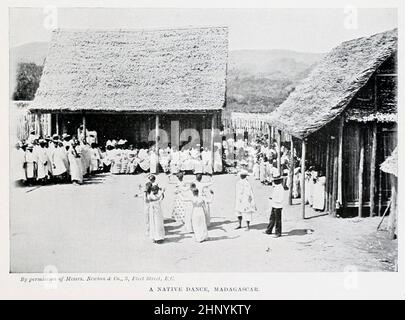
<point x="121" y="158"/>
<point x="259" y="157"/>
<point x="70" y="159"/>
<point x="66" y="158"/>
<point x="42" y="160"/>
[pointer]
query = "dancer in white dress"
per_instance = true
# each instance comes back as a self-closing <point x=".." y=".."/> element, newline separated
<point x="199" y="223"/>
<point x="156" y="222"/>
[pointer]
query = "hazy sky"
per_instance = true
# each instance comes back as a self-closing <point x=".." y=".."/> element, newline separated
<point x="309" y="30"/>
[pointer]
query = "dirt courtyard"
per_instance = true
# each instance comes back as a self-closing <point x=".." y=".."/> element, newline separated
<point x="100" y="227"/>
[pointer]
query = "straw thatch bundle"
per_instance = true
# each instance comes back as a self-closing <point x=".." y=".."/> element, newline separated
<point x="136" y="71"/>
<point x="329" y="88"/>
<point x="390" y="165"/>
<point x="246" y="121"/>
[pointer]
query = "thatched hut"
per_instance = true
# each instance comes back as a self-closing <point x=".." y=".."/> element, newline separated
<point x="343" y="112"/>
<point x="127" y="83"/>
<point x="390" y="166"/>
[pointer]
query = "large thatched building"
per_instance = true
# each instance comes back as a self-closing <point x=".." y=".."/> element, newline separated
<point x="126" y="83"/>
<point x="345" y="112"/>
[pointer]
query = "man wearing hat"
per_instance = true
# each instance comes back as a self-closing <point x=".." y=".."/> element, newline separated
<point x="245" y="202"/>
<point x="277" y="202"/>
<point x="31" y="162"/>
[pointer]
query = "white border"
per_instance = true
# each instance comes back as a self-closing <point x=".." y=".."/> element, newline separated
<point x="272" y="285"/>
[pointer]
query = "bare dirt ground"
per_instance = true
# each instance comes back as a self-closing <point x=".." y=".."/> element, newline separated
<point x="100" y="227"/>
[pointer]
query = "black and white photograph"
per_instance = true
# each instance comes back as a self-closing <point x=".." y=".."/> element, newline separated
<point x="178" y="146"/>
<point x="203" y="140"/>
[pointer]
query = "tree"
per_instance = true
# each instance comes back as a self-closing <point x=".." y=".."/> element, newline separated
<point x="28" y="77"/>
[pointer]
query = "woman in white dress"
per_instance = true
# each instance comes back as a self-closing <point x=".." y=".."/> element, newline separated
<point x="76" y="170"/>
<point x="180" y="207"/>
<point x="156" y="222"/>
<point x="198" y="220"/>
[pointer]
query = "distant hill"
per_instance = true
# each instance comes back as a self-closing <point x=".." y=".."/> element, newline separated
<point x="258" y="80"/>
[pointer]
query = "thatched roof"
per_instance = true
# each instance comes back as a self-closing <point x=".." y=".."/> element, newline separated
<point x="390" y="165"/>
<point x="329" y="88"/>
<point x="135" y="70"/>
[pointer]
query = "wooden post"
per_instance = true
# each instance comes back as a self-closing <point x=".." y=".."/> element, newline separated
<point x="380" y="193"/>
<point x="57" y="123"/>
<point x="328" y="177"/>
<point x="212" y="141"/>
<point x="372" y="169"/>
<point x="340" y="162"/>
<point x="269" y="137"/>
<point x="48" y="124"/>
<point x="63" y="129"/>
<point x="361" y="170"/>
<point x="335" y="185"/>
<point x="38" y="129"/>
<point x="392" y="219"/>
<point x="157" y="142"/>
<point x="84" y="128"/>
<point x="303" y="178"/>
<point x="279" y="151"/>
<point x="291" y="173"/>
